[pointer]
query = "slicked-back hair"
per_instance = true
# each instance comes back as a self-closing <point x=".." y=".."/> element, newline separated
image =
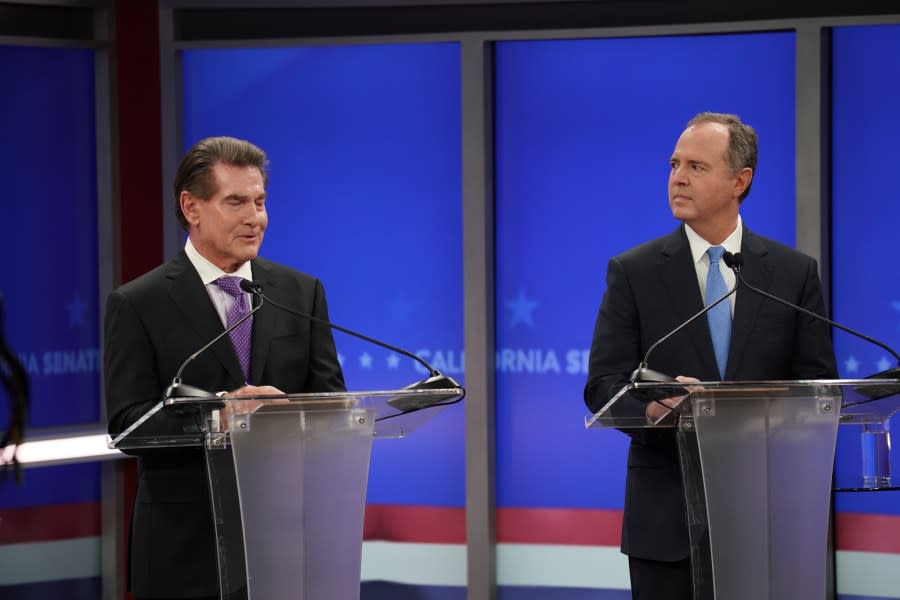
<point x="195" y="173"/>
<point x="743" y="143"/>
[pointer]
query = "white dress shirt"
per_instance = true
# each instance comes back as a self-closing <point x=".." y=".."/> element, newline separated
<point x="209" y="272"/>
<point x="699" y="246"/>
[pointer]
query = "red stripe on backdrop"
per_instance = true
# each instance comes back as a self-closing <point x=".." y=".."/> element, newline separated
<point x="432" y="524"/>
<point x="867" y="532"/>
<point x="49" y="523"/>
<point x="584" y="527"/>
<point x="424" y="524"/>
<point x="444" y="525"/>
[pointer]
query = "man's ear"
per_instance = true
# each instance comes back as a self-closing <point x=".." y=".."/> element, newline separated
<point x="189" y="207"/>
<point x="742" y="181"/>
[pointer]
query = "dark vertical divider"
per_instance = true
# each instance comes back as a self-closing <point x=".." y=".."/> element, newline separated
<point x="139" y="124"/>
<point x="138" y="89"/>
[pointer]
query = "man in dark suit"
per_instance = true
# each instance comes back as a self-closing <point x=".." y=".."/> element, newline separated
<point x="156" y="321"/>
<point x="653" y="288"/>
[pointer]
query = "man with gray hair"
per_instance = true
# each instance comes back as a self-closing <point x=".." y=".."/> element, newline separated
<point x="656" y="286"/>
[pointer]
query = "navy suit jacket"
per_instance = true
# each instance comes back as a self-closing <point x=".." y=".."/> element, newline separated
<point x="653" y="288"/>
<point x="152" y="325"/>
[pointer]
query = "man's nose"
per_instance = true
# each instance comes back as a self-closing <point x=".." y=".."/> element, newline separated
<point x="251" y="214"/>
<point x="678" y="175"/>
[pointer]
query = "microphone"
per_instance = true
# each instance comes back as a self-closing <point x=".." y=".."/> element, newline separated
<point x="435" y="380"/>
<point x="736" y="262"/>
<point x="181" y="390"/>
<point x="644" y="374"/>
<point x="15" y="381"/>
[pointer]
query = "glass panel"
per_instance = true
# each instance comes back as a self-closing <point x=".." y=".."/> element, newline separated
<point x="584" y="132"/>
<point x="364" y="193"/>
<point x="50" y="521"/>
<point x="865" y="87"/>
<point x="51" y="312"/>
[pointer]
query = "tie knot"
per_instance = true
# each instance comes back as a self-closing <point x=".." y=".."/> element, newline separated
<point x="715" y="254"/>
<point x="231" y="285"/>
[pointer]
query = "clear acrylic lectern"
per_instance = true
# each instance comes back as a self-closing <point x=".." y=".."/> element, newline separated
<point x="287" y="480"/>
<point x="757" y="460"/>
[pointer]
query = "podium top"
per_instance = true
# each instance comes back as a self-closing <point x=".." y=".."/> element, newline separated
<point x="188" y="421"/>
<point x="860" y="400"/>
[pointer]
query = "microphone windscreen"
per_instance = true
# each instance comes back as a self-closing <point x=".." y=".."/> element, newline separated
<point x="733" y="261"/>
<point x="415" y="402"/>
<point x="250" y="287"/>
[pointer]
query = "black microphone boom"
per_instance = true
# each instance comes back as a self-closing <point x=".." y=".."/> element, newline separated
<point x="255" y="288"/>
<point x="736" y="262"/>
<point x="180" y="390"/>
<point x="436" y="380"/>
<point x="646" y="375"/>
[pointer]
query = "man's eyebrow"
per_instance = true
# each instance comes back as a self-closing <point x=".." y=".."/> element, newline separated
<point x="690" y="161"/>
<point x="238" y="197"/>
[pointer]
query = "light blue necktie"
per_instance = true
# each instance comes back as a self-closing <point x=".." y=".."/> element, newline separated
<point x="719" y="317"/>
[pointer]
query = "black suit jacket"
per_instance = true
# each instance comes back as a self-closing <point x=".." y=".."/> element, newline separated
<point x="651" y="289"/>
<point x="152" y="325"/>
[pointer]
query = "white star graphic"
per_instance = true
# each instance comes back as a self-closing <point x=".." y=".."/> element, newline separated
<point x="895" y="304"/>
<point x="392" y="361"/>
<point x="340" y="359"/>
<point x="851" y="365"/>
<point x="521" y="308"/>
<point x="76" y="310"/>
<point x="365" y="361"/>
<point x="883" y="364"/>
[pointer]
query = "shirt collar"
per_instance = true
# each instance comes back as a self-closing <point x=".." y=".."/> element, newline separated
<point x="209" y="272"/>
<point x="699" y="246"/>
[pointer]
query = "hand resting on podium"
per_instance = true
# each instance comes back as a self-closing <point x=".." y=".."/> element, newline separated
<point x="658" y="409"/>
<point x="236" y="405"/>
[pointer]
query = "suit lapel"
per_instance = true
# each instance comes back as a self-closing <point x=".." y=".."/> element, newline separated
<point x="264" y="322"/>
<point x="678" y="274"/>
<point x="757" y="271"/>
<point x="198" y="312"/>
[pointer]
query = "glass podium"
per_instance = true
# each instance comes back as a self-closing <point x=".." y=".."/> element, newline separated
<point x="757" y="459"/>
<point x="287" y="480"/>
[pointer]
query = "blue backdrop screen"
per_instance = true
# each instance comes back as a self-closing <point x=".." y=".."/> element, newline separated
<point x="584" y="132"/>
<point x="364" y="193"/>
<point x="866" y="295"/>
<point x="51" y="307"/>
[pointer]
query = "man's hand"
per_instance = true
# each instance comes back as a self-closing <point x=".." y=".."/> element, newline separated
<point x="235" y="405"/>
<point x="255" y="390"/>
<point x="660" y="408"/>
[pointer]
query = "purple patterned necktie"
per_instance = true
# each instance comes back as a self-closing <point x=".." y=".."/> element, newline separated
<point x="241" y="336"/>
